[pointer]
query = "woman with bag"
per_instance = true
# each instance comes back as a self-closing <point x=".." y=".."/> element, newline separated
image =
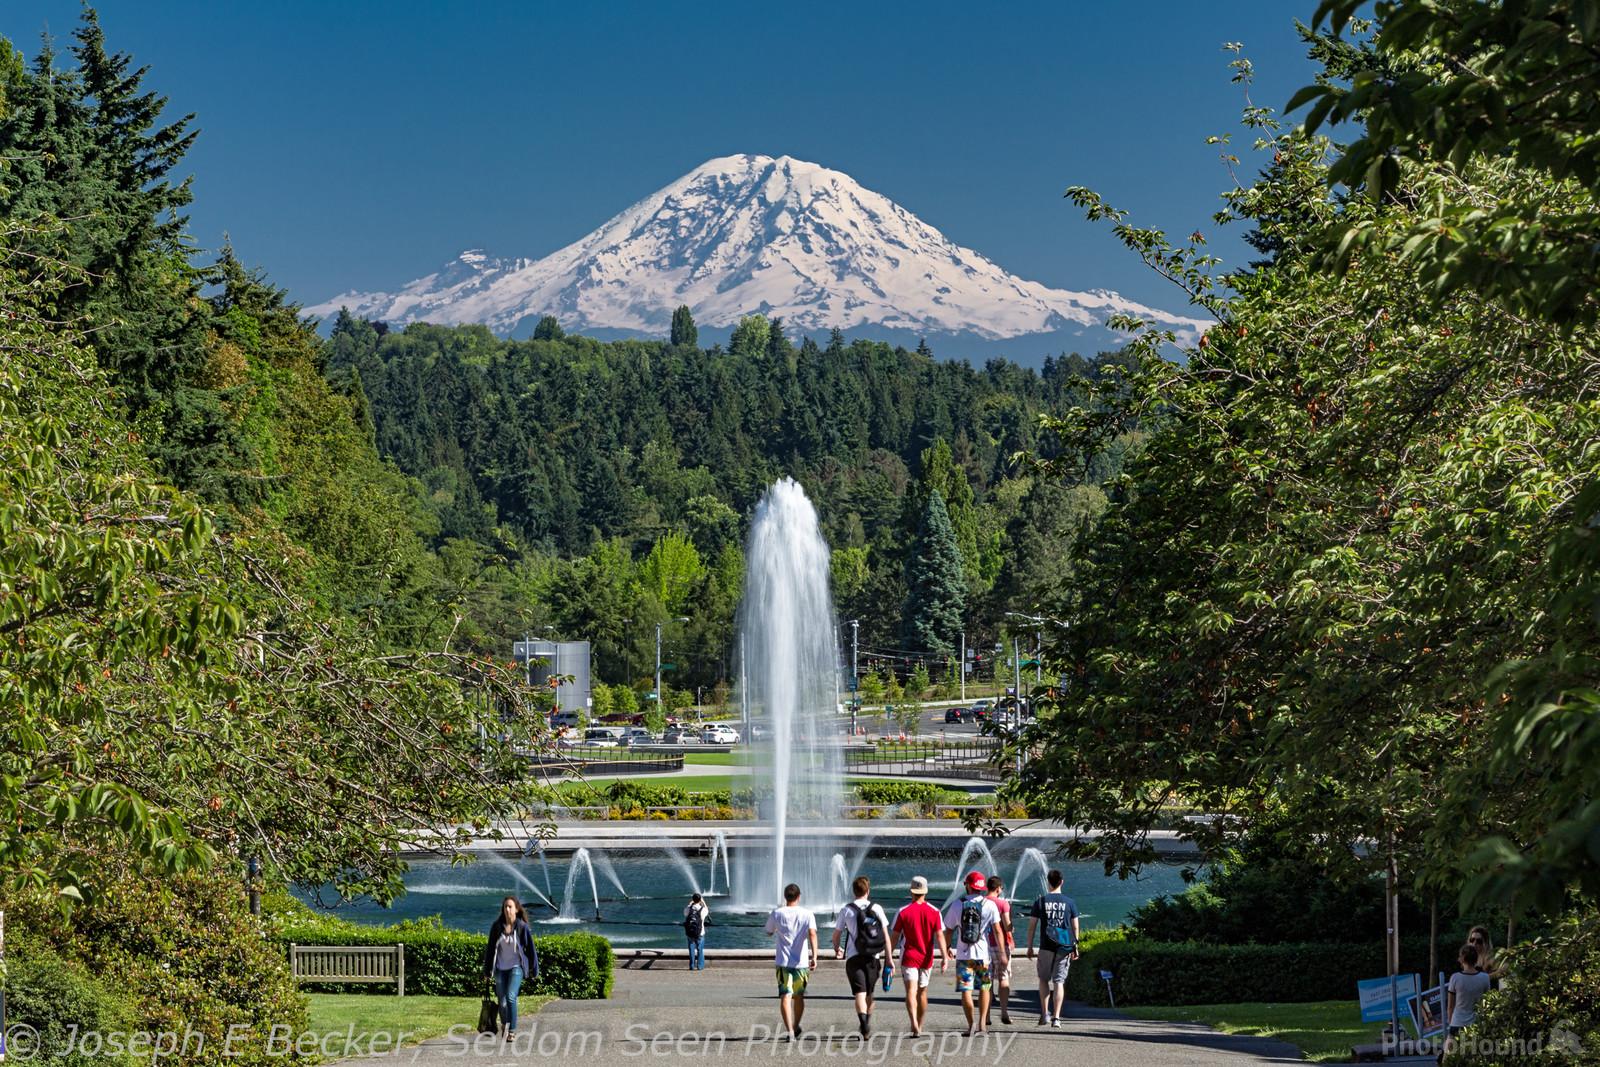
<point x="509" y="959"/>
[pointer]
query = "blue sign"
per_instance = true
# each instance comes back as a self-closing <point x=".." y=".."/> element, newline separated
<point x="1377" y="1000"/>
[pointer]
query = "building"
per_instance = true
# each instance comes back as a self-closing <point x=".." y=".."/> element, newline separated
<point x="546" y="658"/>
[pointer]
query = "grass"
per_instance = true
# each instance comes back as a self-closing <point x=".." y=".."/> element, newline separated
<point x="712" y="759"/>
<point x="409" y="1019"/>
<point x="1323" y="1030"/>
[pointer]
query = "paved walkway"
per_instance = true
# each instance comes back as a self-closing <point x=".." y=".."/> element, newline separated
<point x="730" y="1015"/>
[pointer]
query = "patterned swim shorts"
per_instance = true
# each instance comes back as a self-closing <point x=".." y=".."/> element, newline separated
<point x="971" y="975"/>
<point x="792" y="980"/>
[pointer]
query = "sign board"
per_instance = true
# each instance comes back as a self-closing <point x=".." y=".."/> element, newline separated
<point x="1426" y="1012"/>
<point x="1376" y="1001"/>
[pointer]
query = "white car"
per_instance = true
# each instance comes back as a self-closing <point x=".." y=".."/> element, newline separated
<point x="720" y="735"/>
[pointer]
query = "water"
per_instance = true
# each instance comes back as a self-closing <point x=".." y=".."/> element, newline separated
<point x="974" y="848"/>
<point x="680" y="861"/>
<point x="521" y="879"/>
<point x="719" y="843"/>
<point x="1032" y="861"/>
<point x="790" y="664"/>
<point x="581" y="863"/>
<point x="468" y="897"/>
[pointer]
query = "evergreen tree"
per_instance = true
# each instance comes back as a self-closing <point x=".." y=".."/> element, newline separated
<point x="937" y="589"/>
<point x="548" y="330"/>
<point x="684" y="331"/>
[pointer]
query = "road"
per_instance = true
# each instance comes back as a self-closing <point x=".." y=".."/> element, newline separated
<point x="730" y="1013"/>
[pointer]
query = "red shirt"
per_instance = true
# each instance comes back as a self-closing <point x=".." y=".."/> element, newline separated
<point x="918" y="926"/>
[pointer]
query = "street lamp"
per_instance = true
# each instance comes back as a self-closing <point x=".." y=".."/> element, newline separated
<point x="659" y="701"/>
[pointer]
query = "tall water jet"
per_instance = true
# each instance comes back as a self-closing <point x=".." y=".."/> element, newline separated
<point x="975" y="846"/>
<point x="719" y="844"/>
<point x="790" y="662"/>
<point x="1032" y="860"/>
<point x="838" y="884"/>
<point x="569" y="903"/>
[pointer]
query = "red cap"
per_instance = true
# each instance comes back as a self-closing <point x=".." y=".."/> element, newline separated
<point x="975" y="880"/>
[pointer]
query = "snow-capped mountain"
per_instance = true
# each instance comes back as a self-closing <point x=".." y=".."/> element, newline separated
<point x="745" y="234"/>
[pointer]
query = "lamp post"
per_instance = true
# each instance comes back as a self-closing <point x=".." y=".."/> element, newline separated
<point x="855" y="672"/>
<point x="660" y="702"/>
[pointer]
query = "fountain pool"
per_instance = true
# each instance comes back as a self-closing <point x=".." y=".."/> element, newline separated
<point x="467" y="897"/>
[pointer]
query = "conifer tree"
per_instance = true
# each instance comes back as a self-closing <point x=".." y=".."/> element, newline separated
<point x="937" y="589"/>
<point x="684" y="331"/>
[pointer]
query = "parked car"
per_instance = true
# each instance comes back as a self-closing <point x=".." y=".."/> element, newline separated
<point x="680" y="735"/>
<point x="637" y="735"/>
<point x="981" y="710"/>
<point x="957" y="714"/>
<point x="563" y="720"/>
<point x="720" y="735"/>
<point x="760" y="731"/>
<point x="603" y="736"/>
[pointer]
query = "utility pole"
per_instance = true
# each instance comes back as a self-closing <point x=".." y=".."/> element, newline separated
<point x="961" y="667"/>
<point x="1016" y="696"/>
<point x="659" y="702"/>
<point x="855" y="672"/>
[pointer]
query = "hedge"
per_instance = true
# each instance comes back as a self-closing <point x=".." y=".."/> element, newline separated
<point x="445" y="962"/>
<point x="54" y="997"/>
<point x="1167" y="972"/>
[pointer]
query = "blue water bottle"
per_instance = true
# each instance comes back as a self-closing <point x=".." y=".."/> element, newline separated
<point x="888" y="975"/>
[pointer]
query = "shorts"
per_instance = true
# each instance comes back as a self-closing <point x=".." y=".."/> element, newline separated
<point x="1052" y="966"/>
<point x="792" y="980"/>
<point x="863" y="973"/>
<point x="1001" y="973"/>
<point x="916" y="977"/>
<point x="971" y="975"/>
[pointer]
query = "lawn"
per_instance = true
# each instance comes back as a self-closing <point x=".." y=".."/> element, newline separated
<point x="1323" y="1030"/>
<point x="409" y="1019"/>
<point x="712" y="759"/>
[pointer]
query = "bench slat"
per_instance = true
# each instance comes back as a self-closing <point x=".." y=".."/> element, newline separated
<point x="383" y="964"/>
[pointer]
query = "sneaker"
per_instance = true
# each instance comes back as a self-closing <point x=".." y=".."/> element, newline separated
<point x="866" y="1025"/>
<point x="1055" y="1024"/>
<point x="1005" y="1018"/>
<point x="1044" y="1020"/>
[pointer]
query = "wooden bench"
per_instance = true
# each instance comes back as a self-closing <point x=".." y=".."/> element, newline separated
<point x="382" y="964"/>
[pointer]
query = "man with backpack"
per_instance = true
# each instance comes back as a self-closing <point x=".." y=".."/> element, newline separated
<point x="696" y="915"/>
<point x="1058" y="946"/>
<point x="864" y="930"/>
<point x="972" y="916"/>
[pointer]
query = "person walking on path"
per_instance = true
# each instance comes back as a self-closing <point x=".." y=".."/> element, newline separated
<point x="972" y="916"/>
<point x="861" y="939"/>
<point x="696" y="917"/>
<point x="1055" y="916"/>
<point x="510" y="958"/>
<point x="796" y="930"/>
<point x="1001" y="972"/>
<point x="918" y="928"/>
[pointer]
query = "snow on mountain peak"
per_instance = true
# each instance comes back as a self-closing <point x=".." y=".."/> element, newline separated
<point x="741" y="234"/>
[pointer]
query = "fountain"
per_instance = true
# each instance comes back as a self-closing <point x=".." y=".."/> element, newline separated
<point x="680" y="861"/>
<point x="838" y="884"/>
<point x="569" y="911"/>
<point x="536" y="845"/>
<point x="975" y="846"/>
<point x="521" y="878"/>
<point x="719" y="843"/>
<point x="1032" y="860"/>
<point x="790" y="666"/>
<point x="602" y="863"/>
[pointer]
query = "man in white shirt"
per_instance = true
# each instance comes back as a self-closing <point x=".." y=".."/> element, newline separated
<point x="971" y="917"/>
<point x="864" y="929"/>
<point x="796" y="930"/>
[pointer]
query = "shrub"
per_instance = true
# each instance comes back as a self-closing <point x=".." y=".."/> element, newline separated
<point x="185" y="954"/>
<point x="52" y="995"/>
<point x="1549" y="1006"/>
<point x="1164" y="972"/>
<point x="445" y="962"/>
<point x="890" y="793"/>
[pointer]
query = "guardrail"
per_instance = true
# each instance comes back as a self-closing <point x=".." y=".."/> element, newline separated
<point x="583" y="762"/>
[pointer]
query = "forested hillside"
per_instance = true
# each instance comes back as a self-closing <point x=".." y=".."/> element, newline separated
<point x="616" y="477"/>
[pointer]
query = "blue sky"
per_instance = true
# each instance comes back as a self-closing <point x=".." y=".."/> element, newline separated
<point x="361" y="144"/>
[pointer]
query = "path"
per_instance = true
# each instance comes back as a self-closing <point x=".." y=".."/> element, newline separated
<point x="659" y="1014"/>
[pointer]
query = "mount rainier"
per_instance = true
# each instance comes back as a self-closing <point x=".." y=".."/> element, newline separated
<point x="745" y="234"/>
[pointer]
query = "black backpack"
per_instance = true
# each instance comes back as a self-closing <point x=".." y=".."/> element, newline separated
<point x="870" y="939"/>
<point x="971" y="921"/>
<point x="694" y="923"/>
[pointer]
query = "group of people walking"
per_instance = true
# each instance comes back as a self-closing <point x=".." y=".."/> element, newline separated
<point x="974" y="930"/>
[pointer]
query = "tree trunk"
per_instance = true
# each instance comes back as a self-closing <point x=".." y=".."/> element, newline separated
<point x="1433" y="938"/>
